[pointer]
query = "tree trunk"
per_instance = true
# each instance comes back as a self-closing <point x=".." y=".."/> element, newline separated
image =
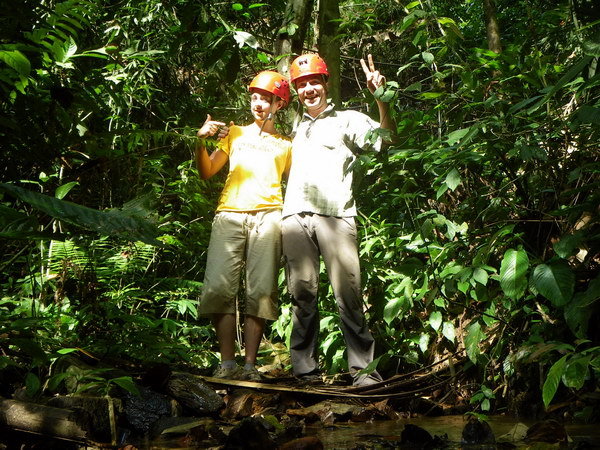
<point x="329" y="47"/>
<point x="491" y="26"/>
<point x="290" y="39"/>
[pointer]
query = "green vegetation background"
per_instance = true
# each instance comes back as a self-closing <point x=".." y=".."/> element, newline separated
<point x="479" y="231"/>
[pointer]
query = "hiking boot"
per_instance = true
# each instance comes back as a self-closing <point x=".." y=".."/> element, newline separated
<point x="365" y="380"/>
<point x="251" y="374"/>
<point x="226" y="373"/>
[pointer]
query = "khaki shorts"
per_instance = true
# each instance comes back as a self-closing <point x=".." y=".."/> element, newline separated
<point x="241" y="239"/>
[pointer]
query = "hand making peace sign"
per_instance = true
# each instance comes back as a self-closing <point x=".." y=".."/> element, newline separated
<point x="374" y="78"/>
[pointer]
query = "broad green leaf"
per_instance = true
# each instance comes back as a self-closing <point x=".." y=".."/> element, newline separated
<point x="448" y="331"/>
<point x="568" y="244"/>
<point x="576" y="372"/>
<point x="472" y="339"/>
<point x="463" y="286"/>
<point x="489" y="317"/>
<point x="32" y="384"/>
<point x="392" y="309"/>
<point x="112" y="222"/>
<point x="262" y="57"/>
<point x="435" y="320"/>
<point x="552" y="380"/>
<point x="427" y="57"/>
<point x="371" y="366"/>
<point x="441" y="191"/>
<point x="457" y="135"/>
<point x="577" y="315"/>
<point x="431" y="95"/>
<point x="487" y="391"/>
<point x="451" y="25"/>
<point x="453" y="179"/>
<point x="592" y="293"/>
<point x="414" y="87"/>
<point x="480" y="275"/>
<point x="237" y="7"/>
<point x="384" y="94"/>
<point x="70" y="49"/>
<point x="18" y="225"/>
<point x="513" y="270"/>
<point x="55" y="380"/>
<point x="440" y="302"/>
<point x="555" y="281"/>
<point x="16" y="60"/>
<point x="589" y="114"/>
<point x="65" y="351"/>
<point x="64" y="189"/>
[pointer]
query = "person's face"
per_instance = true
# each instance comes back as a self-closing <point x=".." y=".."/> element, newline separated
<point x="262" y="103"/>
<point x="312" y="93"/>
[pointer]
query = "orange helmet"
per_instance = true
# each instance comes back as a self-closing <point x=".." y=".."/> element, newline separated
<point x="309" y="64"/>
<point x="272" y="82"/>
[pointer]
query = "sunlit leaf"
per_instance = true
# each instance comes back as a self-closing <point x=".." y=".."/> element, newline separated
<point x="424" y="342"/>
<point x="555" y="281"/>
<point x="448" y="331"/>
<point x="392" y="309"/>
<point x="474" y="336"/>
<point x="64" y="189"/>
<point x="427" y="57"/>
<point x="243" y="38"/>
<point x="65" y="351"/>
<point x="16" y="60"/>
<point x="513" y="271"/>
<point x="435" y="320"/>
<point x="480" y="275"/>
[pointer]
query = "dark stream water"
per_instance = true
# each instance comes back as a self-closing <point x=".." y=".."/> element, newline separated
<point x="383" y="434"/>
<point x="386" y="434"/>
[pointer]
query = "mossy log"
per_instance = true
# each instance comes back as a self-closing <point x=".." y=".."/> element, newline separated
<point x="41" y="419"/>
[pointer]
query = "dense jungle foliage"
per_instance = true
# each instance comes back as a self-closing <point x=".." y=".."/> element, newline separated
<point x="480" y="232"/>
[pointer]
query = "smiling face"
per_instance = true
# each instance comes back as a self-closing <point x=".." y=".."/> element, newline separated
<point x="262" y="103"/>
<point x="312" y="93"/>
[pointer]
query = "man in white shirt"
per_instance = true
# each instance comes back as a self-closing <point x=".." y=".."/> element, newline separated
<point x="319" y="213"/>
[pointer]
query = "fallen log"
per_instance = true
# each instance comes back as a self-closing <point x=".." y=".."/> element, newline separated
<point x="41" y="419"/>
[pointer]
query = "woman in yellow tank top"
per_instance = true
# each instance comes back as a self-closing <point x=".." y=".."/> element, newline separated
<point x="246" y="230"/>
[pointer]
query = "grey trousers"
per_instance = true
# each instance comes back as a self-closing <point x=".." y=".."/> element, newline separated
<point x="305" y="237"/>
